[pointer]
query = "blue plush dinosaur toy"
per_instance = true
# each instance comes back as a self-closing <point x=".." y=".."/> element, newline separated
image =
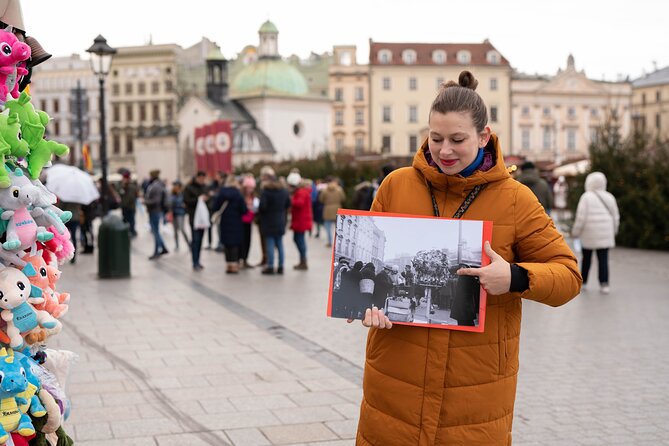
<point x="13" y="381"/>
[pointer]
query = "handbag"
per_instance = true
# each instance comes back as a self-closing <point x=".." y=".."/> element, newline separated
<point x="216" y="216"/>
<point x="201" y="217"/>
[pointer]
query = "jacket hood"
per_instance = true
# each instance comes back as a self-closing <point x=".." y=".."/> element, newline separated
<point x="363" y="184"/>
<point x="442" y="181"/>
<point x="273" y="184"/>
<point x="596" y="181"/>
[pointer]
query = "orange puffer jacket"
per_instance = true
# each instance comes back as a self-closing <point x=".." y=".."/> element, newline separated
<point x="429" y="386"/>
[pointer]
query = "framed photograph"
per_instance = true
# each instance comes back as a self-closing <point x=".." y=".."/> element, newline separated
<point x="406" y="265"/>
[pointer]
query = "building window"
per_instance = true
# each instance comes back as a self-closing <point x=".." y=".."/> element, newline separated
<point x="493" y="84"/>
<point x="440" y="80"/>
<point x="658" y="96"/>
<point x="42" y="105"/>
<point x="386" y="114"/>
<point x="169" y="112"/>
<point x="525" y="111"/>
<point x="658" y="121"/>
<point x="359" y="117"/>
<point x="571" y="140"/>
<point x="493" y="114"/>
<point x="128" y="112"/>
<point x="413" y="113"/>
<point x="386" y="83"/>
<point x="359" y="144"/>
<point x="571" y="113"/>
<point x="359" y="94"/>
<point x="339" y="144"/>
<point x="116" y="144"/>
<point x="339" y="117"/>
<point x="155" y="87"/>
<point x="141" y="88"/>
<point x="525" y="143"/>
<point x="547" y="138"/>
<point x="385" y="56"/>
<point x="464" y="57"/>
<point x="594" y="112"/>
<point x="339" y="94"/>
<point x="168" y="86"/>
<point x="493" y="57"/>
<point x="439" y="57"/>
<point x="413" y="143"/>
<point x="56" y="106"/>
<point x="413" y="83"/>
<point x="547" y="111"/>
<point x="116" y="89"/>
<point x="409" y="57"/>
<point x="594" y="135"/>
<point x="385" y="144"/>
<point x="128" y="88"/>
<point x="142" y="112"/>
<point x="129" y="147"/>
<point x="155" y="111"/>
<point x="116" y="113"/>
<point x="56" y="127"/>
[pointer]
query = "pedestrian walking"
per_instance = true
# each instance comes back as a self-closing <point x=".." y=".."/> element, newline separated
<point x="301" y="215"/>
<point x="252" y="203"/>
<point x="230" y="203"/>
<point x="274" y="204"/>
<point x="462" y="389"/>
<point x="267" y="176"/>
<point x="363" y="195"/>
<point x="317" y="206"/>
<point x="195" y="189"/>
<point x="155" y="201"/>
<point x="332" y="197"/>
<point x="128" y="191"/>
<point x="178" y="212"/>
<point x="530" y="177"/>
<point x="72" y="224"/>
<point x="596" y="224"/>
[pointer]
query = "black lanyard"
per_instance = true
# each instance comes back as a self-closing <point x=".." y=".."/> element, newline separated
<point x="463" y="207"/>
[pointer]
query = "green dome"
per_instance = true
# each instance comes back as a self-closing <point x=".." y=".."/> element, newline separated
<point x="267" y="77"/>
<point x="268" y="27"/>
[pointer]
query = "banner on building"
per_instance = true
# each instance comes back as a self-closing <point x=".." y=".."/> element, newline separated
<point x="213" y="147"/>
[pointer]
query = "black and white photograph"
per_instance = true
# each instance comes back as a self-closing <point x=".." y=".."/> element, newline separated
<point x="407" y="266"/>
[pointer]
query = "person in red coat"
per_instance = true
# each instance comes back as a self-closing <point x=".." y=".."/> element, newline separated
<point x="301" y="215"/>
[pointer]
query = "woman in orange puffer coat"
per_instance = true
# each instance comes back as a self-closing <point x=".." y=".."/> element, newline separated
<point x="428" y="386"/>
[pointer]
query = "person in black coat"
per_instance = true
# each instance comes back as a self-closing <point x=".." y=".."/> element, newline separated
<point x="274" y="204"/>
<point x="195" y="189"/>
<point x="231" y="206"/>
<point x="465" y="305"/>
<point x="383" y="285"/>
<point x="349" y="302"/>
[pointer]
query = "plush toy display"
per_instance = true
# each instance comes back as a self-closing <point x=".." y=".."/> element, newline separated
<point x="33" y="123"/>
<point x="34" y="241"/>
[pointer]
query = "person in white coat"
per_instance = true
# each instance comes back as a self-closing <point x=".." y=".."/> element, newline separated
<point x="596" y="224"/>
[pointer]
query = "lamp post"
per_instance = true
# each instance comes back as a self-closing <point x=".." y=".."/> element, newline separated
<point x="101" y="59"/>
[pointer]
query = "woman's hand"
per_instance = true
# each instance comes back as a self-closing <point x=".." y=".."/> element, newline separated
<point x="494" y="278"/>
<point x="375" y="318"/>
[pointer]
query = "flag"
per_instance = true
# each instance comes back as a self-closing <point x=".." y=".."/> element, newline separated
<point x="86" y="158"/>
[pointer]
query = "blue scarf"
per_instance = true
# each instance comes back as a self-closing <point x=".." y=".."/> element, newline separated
<point x="474" y="165"/>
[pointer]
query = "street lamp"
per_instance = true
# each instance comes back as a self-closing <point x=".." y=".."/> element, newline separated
<point x="101" y="59"/>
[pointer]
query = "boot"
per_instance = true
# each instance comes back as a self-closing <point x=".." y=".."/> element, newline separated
<point x="302" y="266"/>
<point x="233" y="268"/>
<point x="267" y="270"/>
<point x="279" y="270"/>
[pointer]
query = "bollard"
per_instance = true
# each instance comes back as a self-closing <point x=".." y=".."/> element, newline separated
<point x="113" y="248"/>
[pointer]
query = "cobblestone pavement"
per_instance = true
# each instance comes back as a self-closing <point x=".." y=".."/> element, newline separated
<point x="175" y="357"/>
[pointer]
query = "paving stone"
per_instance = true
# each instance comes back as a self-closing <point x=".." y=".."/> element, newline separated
<point x="280" y="435"/>
<point x="247" y="437"/>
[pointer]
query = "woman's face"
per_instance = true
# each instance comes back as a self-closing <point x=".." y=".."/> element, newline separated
<point x="453" y="140"/>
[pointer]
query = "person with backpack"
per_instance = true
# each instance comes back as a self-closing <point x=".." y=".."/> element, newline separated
<point x="530" y="177"/>
<point x="156" y="201"/>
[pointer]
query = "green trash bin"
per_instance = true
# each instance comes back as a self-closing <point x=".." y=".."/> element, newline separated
<point x="113" y="248"/>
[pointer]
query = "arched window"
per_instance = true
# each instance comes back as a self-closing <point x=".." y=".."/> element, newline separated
<point x="439" y="57"/>
<point x="464" y="57"/>
<point x="409" y="57"/>
<point x="493" y="57"/>
<point x="385" y="56"/>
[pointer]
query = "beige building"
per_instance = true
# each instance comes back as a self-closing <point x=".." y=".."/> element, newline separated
<point x="555" y="118"/>
<point x="349" y="91"/>
<point x="404" y="79"/>
<point x="650" y="103"/>
<point x="143" y="99"/>
<point x="53" y="88"/>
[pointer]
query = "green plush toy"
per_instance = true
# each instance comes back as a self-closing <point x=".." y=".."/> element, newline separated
<point x="11" y="143"/>
<point x="33" y="123"/>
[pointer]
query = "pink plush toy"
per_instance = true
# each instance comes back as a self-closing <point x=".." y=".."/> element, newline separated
<point x="54" y="274"/>
<point x="41" y="280"/>
<point x="12" y="52"/>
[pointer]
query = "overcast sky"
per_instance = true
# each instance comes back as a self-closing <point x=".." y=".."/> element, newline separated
<point x="410" y="235"/>
<point x="606" y="38"/>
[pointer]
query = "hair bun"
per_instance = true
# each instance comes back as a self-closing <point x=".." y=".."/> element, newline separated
<point x="467" y="80"/>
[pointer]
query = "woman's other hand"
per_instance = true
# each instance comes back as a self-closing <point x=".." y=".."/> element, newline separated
<point x="374" y="318"/>
<point x="495" y="278"/>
